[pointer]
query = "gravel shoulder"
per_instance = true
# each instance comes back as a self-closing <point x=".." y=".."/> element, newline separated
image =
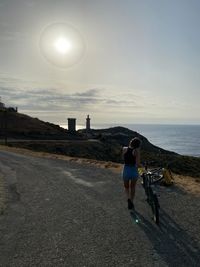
<point x="72" y="212"/>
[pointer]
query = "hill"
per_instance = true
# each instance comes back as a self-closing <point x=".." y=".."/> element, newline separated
<point x="116" y="137"/>
<point x="21" y="126"/>
<point x="100" y="144"/>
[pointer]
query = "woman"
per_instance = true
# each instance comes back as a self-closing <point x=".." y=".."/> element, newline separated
<point x="131" y="155"/>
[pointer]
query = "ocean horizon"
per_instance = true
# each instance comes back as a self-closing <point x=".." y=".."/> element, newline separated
<point x="179" y="138"/>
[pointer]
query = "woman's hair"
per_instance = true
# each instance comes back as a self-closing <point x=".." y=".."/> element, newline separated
<point x="135" y="142"/>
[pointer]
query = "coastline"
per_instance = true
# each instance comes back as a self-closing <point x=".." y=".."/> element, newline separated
<point x="172" y="137"/>
<point x="179" y="138"/>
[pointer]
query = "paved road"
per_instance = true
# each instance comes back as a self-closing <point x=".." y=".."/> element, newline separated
<point x="65" y="214"/>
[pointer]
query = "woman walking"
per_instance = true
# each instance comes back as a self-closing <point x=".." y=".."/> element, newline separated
<point x="131" y="155"/>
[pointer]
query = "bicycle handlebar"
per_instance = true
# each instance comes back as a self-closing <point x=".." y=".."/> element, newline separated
<point x="156" y="170"/>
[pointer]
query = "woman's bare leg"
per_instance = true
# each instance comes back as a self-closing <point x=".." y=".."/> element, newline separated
<point x="132" y="189"/>
<point x="126" y="189"/>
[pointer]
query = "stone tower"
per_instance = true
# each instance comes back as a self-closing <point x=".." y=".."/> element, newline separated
<point x="72" y="125"/>
<point x="88" y="123"/>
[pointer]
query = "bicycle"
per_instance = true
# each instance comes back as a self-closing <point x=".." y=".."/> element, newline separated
<point x="149" y="179"/>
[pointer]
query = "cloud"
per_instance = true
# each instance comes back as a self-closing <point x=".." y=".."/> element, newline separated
<point x="89" y="93"/>
<point x="48" y="99"/>
<point x="49" y="103"/>
<point x="53" y="99"/>
<point x="53" y="104"/>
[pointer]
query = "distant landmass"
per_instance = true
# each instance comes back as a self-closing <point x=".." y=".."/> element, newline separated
<point x="24" y="131"/>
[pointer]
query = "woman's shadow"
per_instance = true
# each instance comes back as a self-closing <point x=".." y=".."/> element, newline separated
<point x="173" y="244"/>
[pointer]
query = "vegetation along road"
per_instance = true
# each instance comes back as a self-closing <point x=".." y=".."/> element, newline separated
<point x="62" y="213"/>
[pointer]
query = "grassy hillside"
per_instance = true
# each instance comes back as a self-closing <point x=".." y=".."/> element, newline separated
<point x="17" y="125"/>
<point x="102" y="144"/>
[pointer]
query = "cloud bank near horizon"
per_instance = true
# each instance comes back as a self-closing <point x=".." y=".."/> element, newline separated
<point x="55" y="105"/>
<point x="51" y="99"/>
<point x="106" y="104"/>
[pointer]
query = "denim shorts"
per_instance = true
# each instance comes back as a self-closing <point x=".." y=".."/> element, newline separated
<point x="130" y="172"/>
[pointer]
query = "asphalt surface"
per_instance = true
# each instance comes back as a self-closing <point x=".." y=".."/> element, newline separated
<point x="63" y="213"/>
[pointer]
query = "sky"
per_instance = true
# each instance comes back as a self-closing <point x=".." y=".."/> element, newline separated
<point x="140" y="61"/>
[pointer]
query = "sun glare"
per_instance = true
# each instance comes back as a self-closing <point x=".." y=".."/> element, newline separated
<point x="62" y="45"/>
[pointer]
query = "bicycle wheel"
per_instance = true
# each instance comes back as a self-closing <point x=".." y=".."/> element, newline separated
<point x="143" y="180"/>
<point x="154" y="205"/>
<point x="155" y="209"/>
<point x="145" y="184"/>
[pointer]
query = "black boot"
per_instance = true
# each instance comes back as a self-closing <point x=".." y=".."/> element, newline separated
<point x="130" y="204"/>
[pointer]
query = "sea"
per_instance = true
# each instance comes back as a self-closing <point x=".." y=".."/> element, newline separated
<point x="183" y="139"/>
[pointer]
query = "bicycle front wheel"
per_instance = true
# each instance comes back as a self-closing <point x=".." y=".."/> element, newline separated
<point x="155" y="209"/>
<point x="154" y="205"/>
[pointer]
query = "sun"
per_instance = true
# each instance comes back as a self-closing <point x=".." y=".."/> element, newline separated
<point x="62" y="45"/>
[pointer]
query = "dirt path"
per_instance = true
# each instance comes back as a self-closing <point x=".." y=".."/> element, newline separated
<point x="66" y="213"/>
